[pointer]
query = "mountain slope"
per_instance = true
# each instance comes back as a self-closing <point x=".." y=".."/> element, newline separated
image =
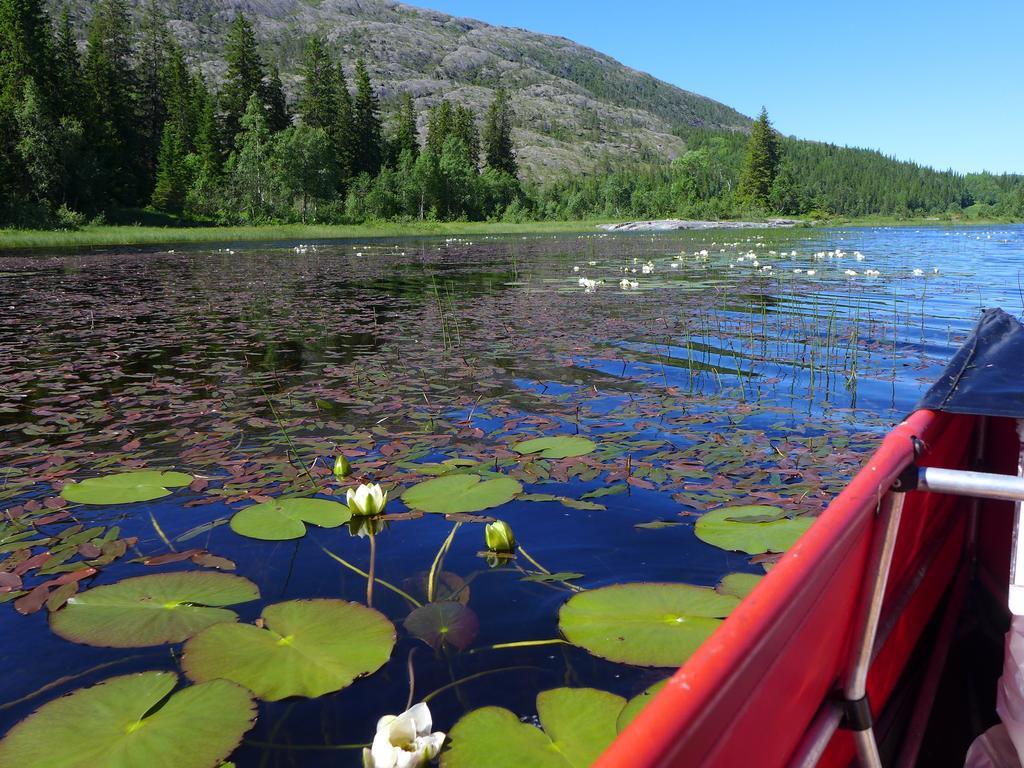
<point x="574" y="106"/>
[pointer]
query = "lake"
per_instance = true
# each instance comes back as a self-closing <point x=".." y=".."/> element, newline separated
<point x="730" y="368"/>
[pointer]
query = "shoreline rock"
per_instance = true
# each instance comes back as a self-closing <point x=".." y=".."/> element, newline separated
<point x="668" y="225"/>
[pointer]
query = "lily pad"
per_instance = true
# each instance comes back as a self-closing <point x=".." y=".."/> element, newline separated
<point x="549" y="577"/>
<point x="738" y="584"/>
<point x="125" y="487"/>
<point x="286" y="518"/>
<point x="151" y="610"/>
<point x="561" y="447"/>
<point x="452" y="494"/>
<point x="647" y="624"/>
<point x="118" y="724"/>
<point x="445" y="622"/>
<point x="306" y="648"/>
<point x="752" y="529"/>
<point x="579" y="724"/>
<point x="637" y="703"/>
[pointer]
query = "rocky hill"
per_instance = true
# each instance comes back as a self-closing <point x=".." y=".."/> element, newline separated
<point x="574" y="105"/>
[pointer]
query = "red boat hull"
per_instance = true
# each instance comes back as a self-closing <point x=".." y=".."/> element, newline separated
<point x="751" y="693"/>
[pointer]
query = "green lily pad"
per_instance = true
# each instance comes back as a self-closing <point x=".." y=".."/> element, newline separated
<point x="452" y="494"/>
<point x="116" y="724"/>
<point x="637" y="703"/>
<point x="752" y="529"/>
<point x="579" y="724"/>
<point x="444" y="622"/>
<point x="738" y="584"/>
<point x="286" y="518"/>
<point x="307" y="648"/>
<point x="549" y="577"/>
<point x="151" y="610"/>
<point x="125" y="487"/>
<point x="650" y="625"/>
<point x="561" y="447"/>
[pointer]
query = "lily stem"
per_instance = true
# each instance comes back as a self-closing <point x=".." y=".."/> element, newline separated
<point x="438" y="560"/>
<point x="373" y="567"/>
<point x="521" y="644"/>
<point x="364" y="574"/>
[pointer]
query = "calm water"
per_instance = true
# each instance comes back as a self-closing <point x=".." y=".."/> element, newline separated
<point x="715" y="381"/>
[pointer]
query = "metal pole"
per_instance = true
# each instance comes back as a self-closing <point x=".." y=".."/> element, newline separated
<point x="979" y="485"/>
<point x="876" y="576"/>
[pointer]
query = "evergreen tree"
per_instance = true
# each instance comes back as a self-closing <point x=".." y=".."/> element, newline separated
<point x="275" y="103"/>
<point x="406" y="135"/>
<point x="67" y="69"/>
<point x="25" y="44"/>
<point x="499" y="152"/>
<point x="110" y="85"/>
<point x="172" y="178"/>
<point x="152" y="56"/>
<point x="761" y="165"/>
<point x="36" y="147"/>
<point x="244" y="75"/>
<point x="464" y="129"/>
<point x="366" y="117"/>
<point x="439" y="126"/>
<point x="318" y="100"/>
<point x="345" y="137"/>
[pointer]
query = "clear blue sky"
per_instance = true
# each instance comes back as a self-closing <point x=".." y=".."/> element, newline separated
<point x="935" y="81"/>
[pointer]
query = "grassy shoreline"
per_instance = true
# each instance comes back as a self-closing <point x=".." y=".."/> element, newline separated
<point x="131" y="235"/>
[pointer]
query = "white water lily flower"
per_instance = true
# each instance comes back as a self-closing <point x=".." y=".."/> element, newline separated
<point x="367" y="499"/>
<point x="404" y="741"/>
<point x="647" y="269"/>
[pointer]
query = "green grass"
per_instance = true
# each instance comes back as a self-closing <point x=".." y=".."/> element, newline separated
<point x="106" y="235"/>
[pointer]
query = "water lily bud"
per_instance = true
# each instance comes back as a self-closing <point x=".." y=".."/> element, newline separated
<point x="342" y="468"/>
<point x="367" y="499"/>
<point x="499" y="537"/>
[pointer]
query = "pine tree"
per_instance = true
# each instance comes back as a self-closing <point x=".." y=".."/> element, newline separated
<point x="465" y="130"/>
<point x="67" y="63"/>
<point x="344" y="134"/>
<point x="439" y="126"/>
<point x="761" y="164"/>
<point x="179" y="101"/>
<point x="110" y="85"/>
<point x="318" y="100"/>
<point x="171" y="178"/>
<point x="244" y="75"/>
<point x="151" y="55"/>
<point x="499" y="152"/>
<point x="406" y="135"/>
<point x="275" y="103"/>
<point x="366" y="117"/>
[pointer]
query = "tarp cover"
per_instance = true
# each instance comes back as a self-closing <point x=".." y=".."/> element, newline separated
<point x="986" y="376"/>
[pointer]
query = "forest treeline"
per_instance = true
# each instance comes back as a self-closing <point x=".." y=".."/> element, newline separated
<point x="124" y="123"/>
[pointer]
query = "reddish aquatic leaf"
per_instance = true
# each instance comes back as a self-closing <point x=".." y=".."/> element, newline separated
<point x="89" y="550"/>
<point x="54" y="518"/>
<point x="206" y="560"/>
<point x="33" y="562"/>
<point x="9" y="581"/>
<point x="33" y="601"/>
<point x="199" y="484"/>
<point x="55" y="502"/>
<point x="171" y="557"/>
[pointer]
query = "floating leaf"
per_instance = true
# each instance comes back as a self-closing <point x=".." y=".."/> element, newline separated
<point x="655" y="525"/>
<point x="548" y="577"/>
<point x="738" y="584"/>
<point x="752" y="529"/>
<point x="637" y="703"/>
<point x="129" y="721"/>
<point x="306" y="648"/>
<point x="286" y="518"/>
<point x="561" y="447"/>
<point x="651" y="625"/>
<point x="452" y="494"/>
<point x="444" y="622"/>
<point x="607" y="490"/>
<point x="125" y="487"/>
<point x="579" y="723"/>
<point x="151" y="610"/>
